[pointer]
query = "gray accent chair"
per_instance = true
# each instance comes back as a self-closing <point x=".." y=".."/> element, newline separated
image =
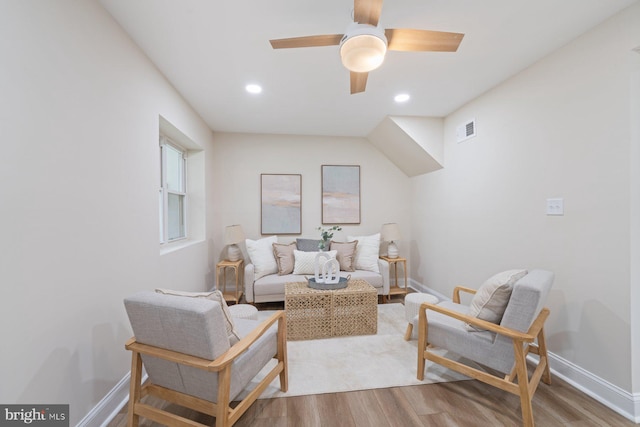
<point x="501" y="347"/>
<point x="183" y="344"/>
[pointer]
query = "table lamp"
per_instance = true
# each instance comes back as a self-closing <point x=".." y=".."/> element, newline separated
<point x="233" y="235"/>
<point x="391" y="233"/>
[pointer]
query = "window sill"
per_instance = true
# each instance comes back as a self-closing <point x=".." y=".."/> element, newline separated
<point x="168" y="248"/>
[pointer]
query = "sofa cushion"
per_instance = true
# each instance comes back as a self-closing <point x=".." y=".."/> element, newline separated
<point x="346" y="254"/>
<point x="261" y="255"/>
<point x="374" y="279"/>
<point x="217" y="296"/>
<point x="284" y="257"/>
<point x="367" y="252"/>
<point x="305" y="261"/>
<point x="308" y="245"/>
<point x="491" y="299"/>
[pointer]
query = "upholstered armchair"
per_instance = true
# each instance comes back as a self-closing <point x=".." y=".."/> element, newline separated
<point x="501" y="341"/>
<point x="193" y="359"/>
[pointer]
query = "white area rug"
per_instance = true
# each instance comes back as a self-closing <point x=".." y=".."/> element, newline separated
<point x="359" y="362"/>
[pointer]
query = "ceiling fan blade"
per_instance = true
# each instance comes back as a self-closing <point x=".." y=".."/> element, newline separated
<point x="358" y="82"/>
<point x="307" y="41"/>
<point x="367" y="11"/>
<point x="422" y="40"/>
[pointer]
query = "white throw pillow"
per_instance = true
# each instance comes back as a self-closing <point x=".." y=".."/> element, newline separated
<point x="491" y="300"/>
<point x="261" y="255"/>
<point x="367" y="252"/>
<point x="213" y="296"/>
<point x="305" y="262"/>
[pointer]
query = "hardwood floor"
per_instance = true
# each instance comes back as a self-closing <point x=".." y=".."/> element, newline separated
<point x="462" y="403"/>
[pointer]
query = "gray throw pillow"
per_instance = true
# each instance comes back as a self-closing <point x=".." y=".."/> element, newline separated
<point x="309" y="245"/>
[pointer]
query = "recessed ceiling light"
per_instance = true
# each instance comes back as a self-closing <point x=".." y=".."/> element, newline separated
<point x="253" y="88"/>
<point x="403" y="97"/>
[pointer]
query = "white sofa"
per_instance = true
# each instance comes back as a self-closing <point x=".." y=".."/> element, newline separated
<point x="271" y="264"/>
<point x="271" y="287"/>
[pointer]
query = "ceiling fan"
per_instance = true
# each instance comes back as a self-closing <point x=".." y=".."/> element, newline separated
<point x="364" y="45"/>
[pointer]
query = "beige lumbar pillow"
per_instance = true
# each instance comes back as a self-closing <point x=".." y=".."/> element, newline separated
<point x="213" y="296"/>
<point x="491" y="300"/>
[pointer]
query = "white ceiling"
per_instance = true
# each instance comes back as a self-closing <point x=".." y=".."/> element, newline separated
<point x="210" y="50"/>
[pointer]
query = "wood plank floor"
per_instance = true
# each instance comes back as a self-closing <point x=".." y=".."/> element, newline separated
<point x="462" y="403"/>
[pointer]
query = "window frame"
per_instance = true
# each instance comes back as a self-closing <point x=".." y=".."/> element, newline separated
<point x="165" y="191"/>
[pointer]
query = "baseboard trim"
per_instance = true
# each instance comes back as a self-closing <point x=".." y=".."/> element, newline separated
<point x="421" y="288"/>
<point x="621" y="401"/>
<point x="618" y="400"/>
<point x="110" y="405"/>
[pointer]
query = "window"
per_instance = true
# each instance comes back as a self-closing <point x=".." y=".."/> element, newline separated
<point x="173" y="191"/>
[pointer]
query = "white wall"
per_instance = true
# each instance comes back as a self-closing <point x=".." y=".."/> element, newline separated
<point x="79" y="165"/>
<point x="241" y="158"/>
<point x="561" y="128"/>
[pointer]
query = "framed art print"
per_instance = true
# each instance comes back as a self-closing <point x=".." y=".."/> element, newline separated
<point x="281" y="203"/>
<point x="340" y="194"/>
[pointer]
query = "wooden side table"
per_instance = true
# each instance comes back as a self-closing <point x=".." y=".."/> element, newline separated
<point x="238" y="268"/>
<point x="396" y="289"/>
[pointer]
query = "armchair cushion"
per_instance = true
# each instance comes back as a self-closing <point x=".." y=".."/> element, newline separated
<point x="216" y="296"/>
<point x="491" y="300"/>
<point x="261" y="255"/>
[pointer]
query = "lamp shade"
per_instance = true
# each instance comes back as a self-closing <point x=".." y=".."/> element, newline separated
<point x="390" y="232"/>
<point x="233" y="234"/>
<point x="363" y="48"/>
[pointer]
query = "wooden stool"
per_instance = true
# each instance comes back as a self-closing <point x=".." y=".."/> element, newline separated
<point x="412" y="304"/>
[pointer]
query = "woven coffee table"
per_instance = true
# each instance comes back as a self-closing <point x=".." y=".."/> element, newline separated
<point x="313" y="313"/>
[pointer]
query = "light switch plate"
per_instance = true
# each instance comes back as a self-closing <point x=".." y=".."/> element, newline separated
<point x="555" y="206"/>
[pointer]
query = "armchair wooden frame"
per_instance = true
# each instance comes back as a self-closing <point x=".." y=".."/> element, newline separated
<point x="221" y="410"/>
<point x="523" y="344"/>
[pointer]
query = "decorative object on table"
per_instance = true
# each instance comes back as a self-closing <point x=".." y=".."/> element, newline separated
<point x="233" y="235"/>
<point x="280" y="203"/>
<point x="391" y="233"/>
<point x="340" y="194"/>
<point x="325" y="236"/>
<point x="342" y="283"/>
<point x="327" y="270"/>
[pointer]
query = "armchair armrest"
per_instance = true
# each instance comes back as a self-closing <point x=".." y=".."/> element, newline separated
<point x="481" y="324"/>
<point x="458" y="289"/>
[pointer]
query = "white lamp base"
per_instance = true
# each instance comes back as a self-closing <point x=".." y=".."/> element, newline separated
<point x="392" y="250"/>
<point x="234" y="253"/>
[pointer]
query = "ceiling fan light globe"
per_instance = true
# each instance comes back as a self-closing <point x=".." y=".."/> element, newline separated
<point x="363" y="53"/>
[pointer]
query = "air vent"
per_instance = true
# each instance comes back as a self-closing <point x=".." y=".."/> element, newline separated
<point x="466" y="130"/>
